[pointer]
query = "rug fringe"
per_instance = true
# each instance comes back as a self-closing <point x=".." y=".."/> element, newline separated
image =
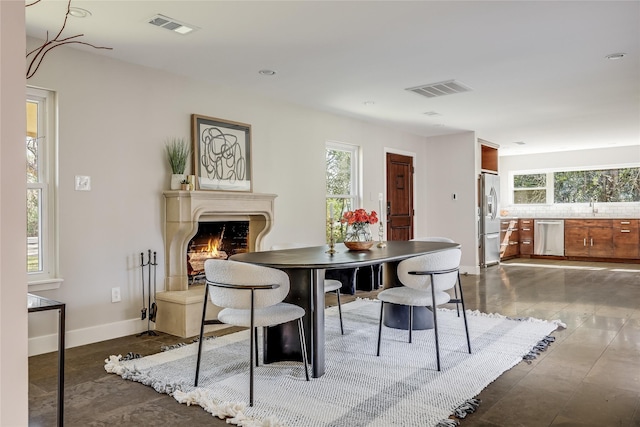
<point x="469" y="406"/>
<point x="542" y="345"/>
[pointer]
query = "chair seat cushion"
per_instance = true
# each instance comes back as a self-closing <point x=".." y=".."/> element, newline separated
<point x="332" y="285"/>
<point x="409" y="296"/>
<point x="267" y="316"/>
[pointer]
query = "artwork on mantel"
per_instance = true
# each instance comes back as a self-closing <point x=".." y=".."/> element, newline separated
<point x="221" y="154"/>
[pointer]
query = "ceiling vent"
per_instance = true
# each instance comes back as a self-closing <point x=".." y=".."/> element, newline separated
<point x="171" y="24"/>
<point x="440" y="89"/>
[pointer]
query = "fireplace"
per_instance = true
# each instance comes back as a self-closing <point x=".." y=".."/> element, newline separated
<point x="180" y="305"/>
<point x="217" y="240"/>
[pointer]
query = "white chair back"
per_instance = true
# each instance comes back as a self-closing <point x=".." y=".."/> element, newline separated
<point x="437" y="261"/>
<point x="238" y="273"/>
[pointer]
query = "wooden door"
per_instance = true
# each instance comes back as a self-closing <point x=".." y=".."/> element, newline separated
<point x="601" y="241"/>
<point x="399" y="197"/>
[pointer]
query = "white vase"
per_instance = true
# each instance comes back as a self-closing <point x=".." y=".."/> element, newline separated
<point x="176" y="180"/>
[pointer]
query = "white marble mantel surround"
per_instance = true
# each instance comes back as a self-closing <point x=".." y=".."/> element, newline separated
<point x="180" y="306"/>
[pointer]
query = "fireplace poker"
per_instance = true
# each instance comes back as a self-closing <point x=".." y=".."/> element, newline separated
<point x="144" y="308"/>
<point x="153" y="309"/>
<point x="143" y="311"/>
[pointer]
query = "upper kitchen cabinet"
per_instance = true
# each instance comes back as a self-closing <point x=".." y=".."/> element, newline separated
<point x="489" y="156"/>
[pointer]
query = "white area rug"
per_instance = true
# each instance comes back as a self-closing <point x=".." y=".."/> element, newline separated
<point x="401" y="387"/>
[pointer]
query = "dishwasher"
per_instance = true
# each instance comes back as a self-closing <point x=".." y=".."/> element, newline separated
<point x="548" y="237"/>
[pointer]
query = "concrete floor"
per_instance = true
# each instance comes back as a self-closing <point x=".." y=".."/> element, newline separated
<point x="589" y="377"/>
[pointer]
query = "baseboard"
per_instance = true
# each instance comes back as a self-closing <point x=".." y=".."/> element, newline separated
<point x="48" y="343"/>
<point x="466" y="269"/>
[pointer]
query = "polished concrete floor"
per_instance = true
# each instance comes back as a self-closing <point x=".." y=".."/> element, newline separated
<point x="589" y="377"/>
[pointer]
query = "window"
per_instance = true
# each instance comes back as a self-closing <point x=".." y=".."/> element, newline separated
<point x="40" y="145"/>
<point x="342" y="184"/>
<point x="530" y="189"/>
<point x="582" y="186"/>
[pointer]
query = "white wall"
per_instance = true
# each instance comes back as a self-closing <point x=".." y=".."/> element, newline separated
<point x="114" y="120"/>
<point x="13" y="298"/>
<point x="452" y="167"/>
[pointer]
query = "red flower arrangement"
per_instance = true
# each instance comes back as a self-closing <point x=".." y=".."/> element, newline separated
<point x="359" y="216"/>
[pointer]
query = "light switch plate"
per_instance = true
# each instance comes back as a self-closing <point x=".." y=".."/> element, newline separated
<point x="83" y="183"/>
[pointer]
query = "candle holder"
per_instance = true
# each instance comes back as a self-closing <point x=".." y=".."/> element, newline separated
<point x="332" y="239"/>
<point x="381" y="244"/>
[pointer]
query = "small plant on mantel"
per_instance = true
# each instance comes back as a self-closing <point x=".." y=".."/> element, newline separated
<point x="178" y="151"/>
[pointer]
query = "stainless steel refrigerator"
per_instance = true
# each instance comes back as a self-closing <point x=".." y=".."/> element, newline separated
<point x="489" y="219"/>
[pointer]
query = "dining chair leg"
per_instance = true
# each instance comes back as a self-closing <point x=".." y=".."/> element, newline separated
<point x="410" y="324"/>
<point x="455" y="293"/>
<point x="380" y="327"/>
<point x="255" y="336"/>
<point x="204" y="314"/>
<point x="340" y="311"/>
<point x="435" y="322"/>
<point x="251" y="344"/>
<point x="303" y="346"/>
<point x="464" y="314"/>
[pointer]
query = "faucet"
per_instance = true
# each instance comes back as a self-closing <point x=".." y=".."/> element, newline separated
<point x="592" y="205"/>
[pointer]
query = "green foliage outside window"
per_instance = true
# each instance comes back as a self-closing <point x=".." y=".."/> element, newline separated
<point x="604" y="185"/>
<point x="340" y="197"/>
<point x="530" y="188"/>
<point x="608" y="185"/>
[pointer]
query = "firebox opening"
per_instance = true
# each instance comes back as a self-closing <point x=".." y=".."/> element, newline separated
<point x="218" y="239"/>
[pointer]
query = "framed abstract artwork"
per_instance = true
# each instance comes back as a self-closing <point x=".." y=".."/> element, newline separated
<point x="221" y="154"/>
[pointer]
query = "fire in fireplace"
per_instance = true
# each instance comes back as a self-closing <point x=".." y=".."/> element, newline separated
<point x="218" y="240"/>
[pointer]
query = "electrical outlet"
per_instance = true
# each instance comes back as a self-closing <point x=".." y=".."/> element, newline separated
<point x="115" y="294"/>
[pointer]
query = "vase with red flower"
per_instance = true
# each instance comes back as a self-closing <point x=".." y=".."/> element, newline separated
<point x="358" y="236"/>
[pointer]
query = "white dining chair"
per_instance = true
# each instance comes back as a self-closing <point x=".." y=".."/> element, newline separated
<point x="250" y="296"/>
<point x="443" y="240"/>
<point x="426" y="279"/>
<point x="330" y="285"/>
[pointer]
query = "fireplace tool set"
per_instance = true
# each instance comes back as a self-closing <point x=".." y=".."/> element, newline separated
<point x="152" y="307"/>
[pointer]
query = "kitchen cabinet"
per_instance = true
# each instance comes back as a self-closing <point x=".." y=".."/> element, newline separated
<point x="626" y="238"/>
<point x="525" y="226"/>
<point x="588" y="238"/>
<point x="509" y="239"/>
<point x="489" y="158"/>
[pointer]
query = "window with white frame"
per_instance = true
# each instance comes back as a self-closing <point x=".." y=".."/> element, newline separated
<point x="41" y="172"/>
<point x="577" y="186"/>
<point x="343" y="186"/>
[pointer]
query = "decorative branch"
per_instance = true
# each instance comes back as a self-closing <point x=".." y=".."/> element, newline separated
<point x="39" y="53"/>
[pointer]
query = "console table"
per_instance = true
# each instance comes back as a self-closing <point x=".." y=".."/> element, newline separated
<point x="305" y="268"/>
<point x="37" y="303"/>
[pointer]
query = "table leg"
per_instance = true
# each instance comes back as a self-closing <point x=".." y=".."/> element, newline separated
<point x="281" y="342"/>
<point x="61" y="344"/>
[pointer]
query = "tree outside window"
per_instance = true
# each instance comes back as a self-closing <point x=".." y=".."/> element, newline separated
<point x="342" y="185"/>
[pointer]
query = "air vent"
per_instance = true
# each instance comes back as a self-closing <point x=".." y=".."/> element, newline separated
<point x="171" y="24"/>
<point x="440" y="89"/>
<point x="432" y="113"/>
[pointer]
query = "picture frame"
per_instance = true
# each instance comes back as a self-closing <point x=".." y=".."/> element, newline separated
<point x="221" y="154"/>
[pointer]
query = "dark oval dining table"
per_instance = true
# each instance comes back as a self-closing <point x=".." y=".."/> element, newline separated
<point x="305" y="268"/>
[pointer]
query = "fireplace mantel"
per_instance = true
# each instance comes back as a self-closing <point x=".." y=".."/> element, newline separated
<point x="185" y="209"/>
<point x="180" y="305"/>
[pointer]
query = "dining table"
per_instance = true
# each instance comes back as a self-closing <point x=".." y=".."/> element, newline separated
<point x="306" y="270"/>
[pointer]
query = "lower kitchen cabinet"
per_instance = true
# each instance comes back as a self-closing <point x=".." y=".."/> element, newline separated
<point x="525" y="226"/>
<point x="626" y="238"/>
<point x="509" y="240"/>
<point x="588" y="238"/>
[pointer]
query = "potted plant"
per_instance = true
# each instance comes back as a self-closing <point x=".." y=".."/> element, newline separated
<point x="185" y="185"/>
<point x="178" y="152"/>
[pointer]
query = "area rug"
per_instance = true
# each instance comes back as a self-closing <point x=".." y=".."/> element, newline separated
<point x="401" y="387"/>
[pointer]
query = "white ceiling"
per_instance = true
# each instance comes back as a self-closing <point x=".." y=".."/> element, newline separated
<point x="537" y="68"/>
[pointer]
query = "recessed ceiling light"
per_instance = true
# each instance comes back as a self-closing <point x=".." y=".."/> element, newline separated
<point x="267" y="72"/>
<point x="519" y="142"/>
<point x="432" y="113"/>
<point x="78" y="12"/>
<point x="614" y="56"/>
<point x="369" y="103"/>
